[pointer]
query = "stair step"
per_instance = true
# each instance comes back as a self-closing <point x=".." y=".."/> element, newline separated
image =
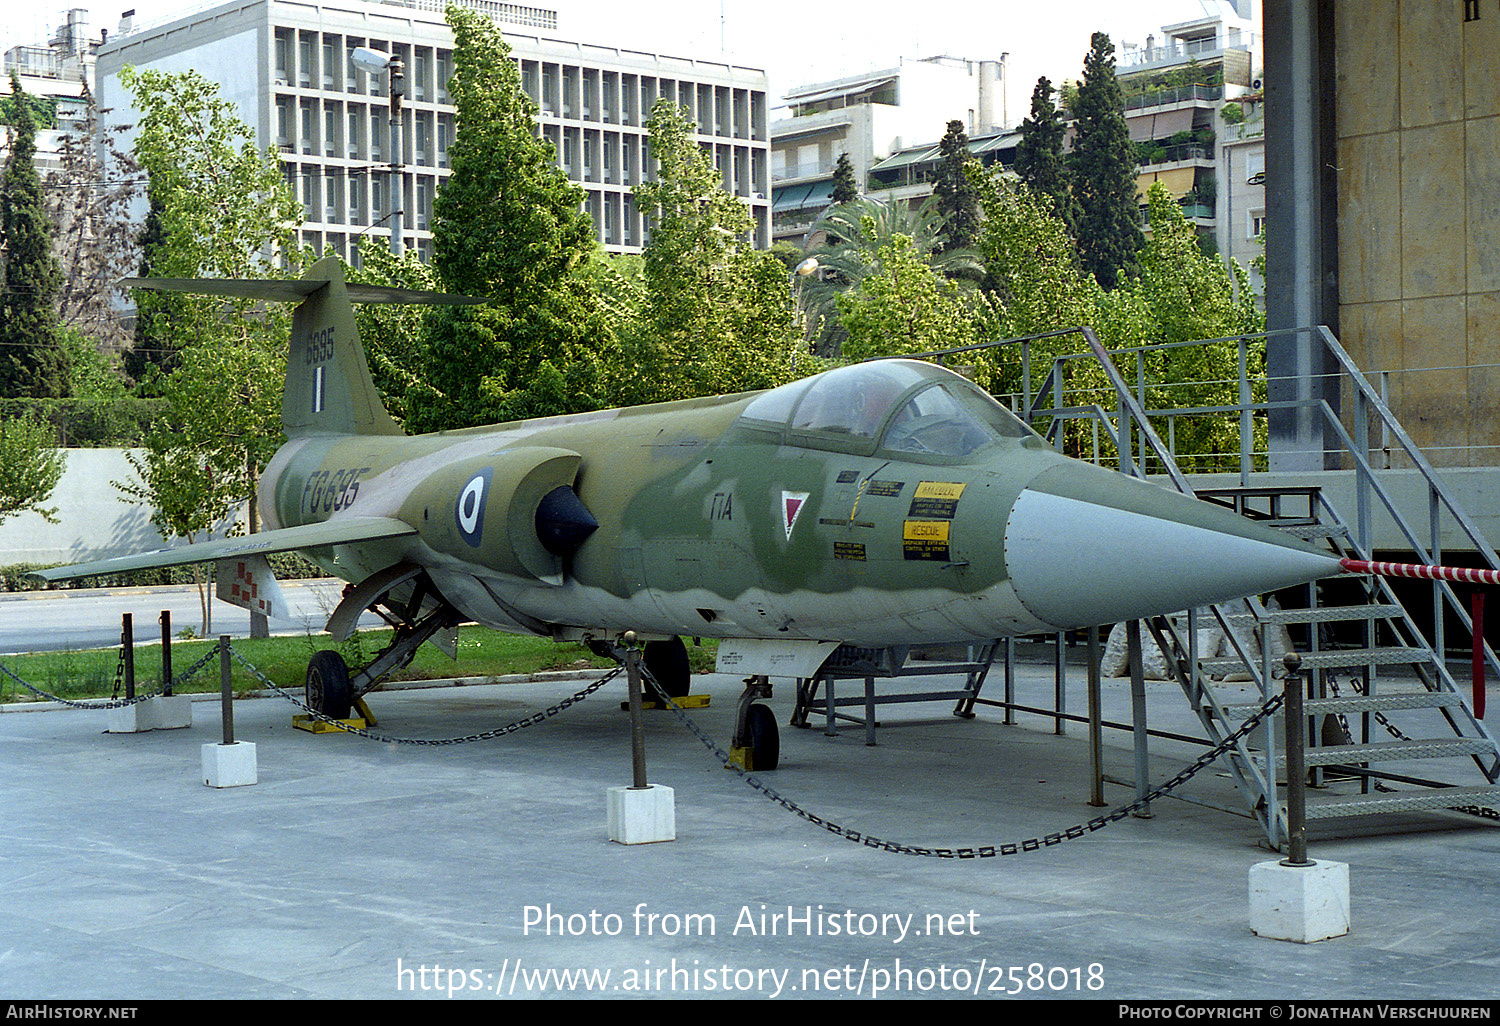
<point x="1393" y="751"/>
<point x="1398" y="801"/>
<point x="1322" y="614"/>
<point x="1365" y="703"/>
<point x="1308" y="532"/>
<point x="1351" y="657"/>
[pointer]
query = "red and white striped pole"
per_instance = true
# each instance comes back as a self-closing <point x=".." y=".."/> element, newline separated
<point x="1455" y="574"/>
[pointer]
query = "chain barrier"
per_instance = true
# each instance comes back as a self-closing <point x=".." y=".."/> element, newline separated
<point x="509" y="728"/>
<point x="1358" y="685"/>
<point x="114" y="703"/>
<point x="981" y="851"/>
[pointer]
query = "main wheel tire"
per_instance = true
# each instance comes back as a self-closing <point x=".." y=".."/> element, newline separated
<point x="764" y="738"/>
<point x="667" y="662"/>
<point x="328" y="689"/>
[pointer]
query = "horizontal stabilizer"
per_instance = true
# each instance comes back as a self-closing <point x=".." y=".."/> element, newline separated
<point x="308" y="536"/>
<point x="293" y="290"/>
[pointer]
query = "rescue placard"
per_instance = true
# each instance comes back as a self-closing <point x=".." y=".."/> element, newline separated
<point x="925" y="539"/>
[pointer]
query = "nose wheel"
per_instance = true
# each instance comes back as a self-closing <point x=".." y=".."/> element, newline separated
<point x="757" y="740"/>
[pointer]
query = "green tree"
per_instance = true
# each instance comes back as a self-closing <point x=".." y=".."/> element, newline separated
<point x="1104" y="166"/>
<point x="1183" y="295"/>
<point x="716" y="314"/>
<point x="395" y="334"/>
<point x="845" y="185"/>
<point x="149" y="348"/>
<point x="1039" y="155"/>
<point x="907" y="307"/>
<point x="508" y="225"/>
<point x="1038" y="286"/>
<point x="30" y="467"/>
<point x="224" y="211"/>
<point x="858" y="233"/>
<point x="956" y="200"/>
<point x="31" y="364"/>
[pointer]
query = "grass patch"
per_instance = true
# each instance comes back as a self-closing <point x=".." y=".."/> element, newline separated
<point x="481" y="653"/>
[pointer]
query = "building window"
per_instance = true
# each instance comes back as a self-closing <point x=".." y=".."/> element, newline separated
<point x="1256" y="223"/>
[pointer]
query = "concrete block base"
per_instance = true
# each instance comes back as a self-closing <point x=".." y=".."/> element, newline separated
<point x="229" y="765"/>
<point x="1299" y="903"/>
<point x="642" y="815"/>
<point x="130" y="719"/>
<point x="159" y="713"/>
<point x="171" y="712"/>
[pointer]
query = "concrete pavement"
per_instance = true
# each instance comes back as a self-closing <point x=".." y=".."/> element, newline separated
<point x="356" y="868"/>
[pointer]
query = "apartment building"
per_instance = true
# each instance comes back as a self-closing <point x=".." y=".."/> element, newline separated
<point x="1177" y="90"/>
<point x="60" y="71"/>
<point x="286" y="64"/>
<point x="870" y="117"/>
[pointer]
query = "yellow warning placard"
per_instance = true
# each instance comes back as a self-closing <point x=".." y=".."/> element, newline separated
<point x="935" y="500"/>
<point x="939" y="490"/>
<point x="925" y="539"/>
<point x="925" y="530"/>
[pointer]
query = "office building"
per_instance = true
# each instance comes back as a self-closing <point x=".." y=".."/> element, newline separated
<point x="286" y="64"/>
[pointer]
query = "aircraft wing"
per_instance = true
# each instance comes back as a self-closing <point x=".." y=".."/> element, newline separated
<point x="329" y="532"/>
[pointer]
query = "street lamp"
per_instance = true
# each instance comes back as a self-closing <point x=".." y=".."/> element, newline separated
<point x="374" y="62"/>
<point x="800" y="272"/>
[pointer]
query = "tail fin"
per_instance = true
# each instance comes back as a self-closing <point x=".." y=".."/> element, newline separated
<point x="328" y="386"/>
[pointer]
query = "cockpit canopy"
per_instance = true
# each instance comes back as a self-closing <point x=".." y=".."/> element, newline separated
<point x="902" y="406"/>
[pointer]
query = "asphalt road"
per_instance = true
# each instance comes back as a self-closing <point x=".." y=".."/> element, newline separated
<point x="61" y="620"/>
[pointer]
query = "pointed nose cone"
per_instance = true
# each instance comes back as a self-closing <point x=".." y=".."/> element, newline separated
<point x="1087" y="546"/>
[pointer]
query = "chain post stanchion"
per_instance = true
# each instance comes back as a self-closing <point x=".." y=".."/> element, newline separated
<point x="166" y="652"/>
<point x="1296" y="764"/>
<point x="637" y="725"/>
<point x="226" y="691"/>
<point x="127" y="653"/>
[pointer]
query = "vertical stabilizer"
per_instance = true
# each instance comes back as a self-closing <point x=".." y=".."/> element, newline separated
<point x="329" y="390"/>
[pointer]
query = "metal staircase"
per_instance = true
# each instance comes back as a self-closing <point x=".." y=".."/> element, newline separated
<point x="1390" y="730"/>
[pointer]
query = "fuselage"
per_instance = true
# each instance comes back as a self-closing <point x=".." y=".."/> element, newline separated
<point x="893" y="519"/>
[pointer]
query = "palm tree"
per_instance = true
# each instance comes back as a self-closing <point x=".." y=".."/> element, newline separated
<point x="856" y="232"/>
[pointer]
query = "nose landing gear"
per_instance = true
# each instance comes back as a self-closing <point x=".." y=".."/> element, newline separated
<point x="757" y="740"/>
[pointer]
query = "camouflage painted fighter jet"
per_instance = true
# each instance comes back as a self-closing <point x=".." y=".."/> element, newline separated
<point x="878" y="504"/>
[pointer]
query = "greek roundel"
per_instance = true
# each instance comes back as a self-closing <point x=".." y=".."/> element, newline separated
<point x="469" y="510"/>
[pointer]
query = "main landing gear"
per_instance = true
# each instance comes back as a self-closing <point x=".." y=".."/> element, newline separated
<point x="331" y="688"/>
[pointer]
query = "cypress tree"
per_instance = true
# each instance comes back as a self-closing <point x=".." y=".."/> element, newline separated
<point x="957" y="198"/>
<point x="845" y="186"/>
<point x="1109" y="233"/>
<point x="150" y="348"/>
<point x="31" y="364"/>
<point x="1039" y="156"/>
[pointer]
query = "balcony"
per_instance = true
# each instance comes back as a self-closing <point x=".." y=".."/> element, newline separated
<point x="816" y="169"/>
<point x="1177" y="51"/>
<point x="1150" y="156"/>
<point x="1171" y="95"/>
